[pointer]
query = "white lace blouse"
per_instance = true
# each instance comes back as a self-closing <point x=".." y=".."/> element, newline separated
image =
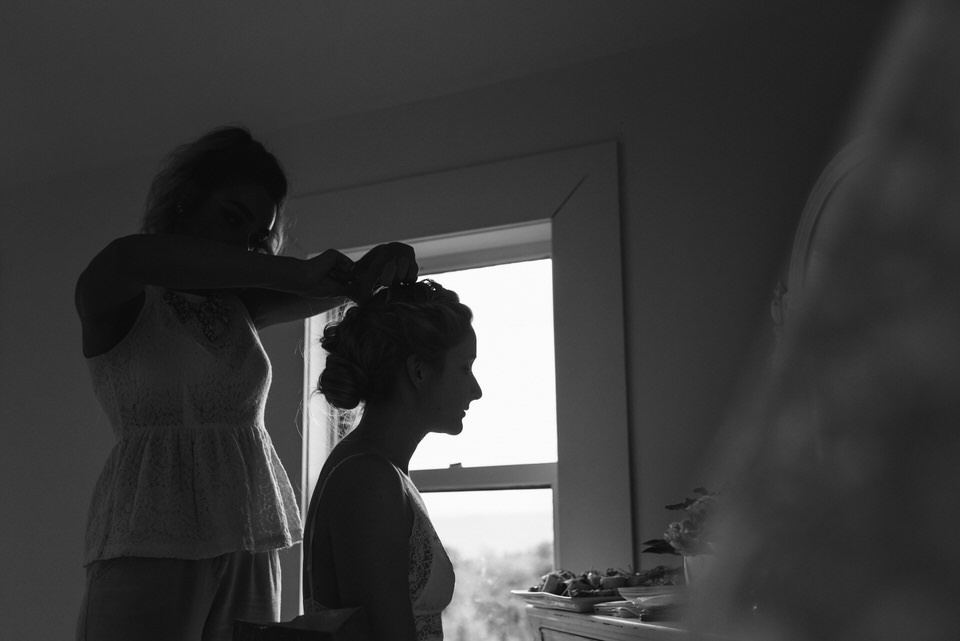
<point x="193" y="473"/>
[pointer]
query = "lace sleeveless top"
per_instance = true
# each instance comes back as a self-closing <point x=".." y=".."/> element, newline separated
<point x="193" y="473"/>
<point x="430" y="575"/>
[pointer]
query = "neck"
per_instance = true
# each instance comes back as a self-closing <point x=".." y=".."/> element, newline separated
<point x="388" y="431"/>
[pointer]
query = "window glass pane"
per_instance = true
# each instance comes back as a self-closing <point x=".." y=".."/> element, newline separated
<point x="516" y="420"/>
<point x="498" y="541"/>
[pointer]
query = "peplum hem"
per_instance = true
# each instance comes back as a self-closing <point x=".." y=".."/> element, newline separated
<point x="192" y="493"/>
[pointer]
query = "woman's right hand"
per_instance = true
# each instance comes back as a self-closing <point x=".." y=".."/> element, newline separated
<point x="384" y="265"/>
<point x="327" y="275"/>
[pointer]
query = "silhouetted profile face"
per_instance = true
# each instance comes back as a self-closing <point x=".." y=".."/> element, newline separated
<point x="239" y="214"/>
<point x="453" y="387"/>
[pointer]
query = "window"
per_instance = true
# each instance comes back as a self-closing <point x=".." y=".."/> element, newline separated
<point x="575" y="193"/>
<point x="497" y="540"/>
<point x="515" y="423"/>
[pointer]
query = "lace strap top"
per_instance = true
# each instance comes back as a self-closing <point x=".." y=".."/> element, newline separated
<point x="193" y="473"/>
<point x="430" y="575"/>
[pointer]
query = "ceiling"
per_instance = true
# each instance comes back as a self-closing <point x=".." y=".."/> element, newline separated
<point x="103" y="82"/>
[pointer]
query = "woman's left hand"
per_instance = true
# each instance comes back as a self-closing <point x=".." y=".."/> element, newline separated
<point x="384" y="265"/>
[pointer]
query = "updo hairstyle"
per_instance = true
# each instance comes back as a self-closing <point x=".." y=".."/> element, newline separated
<point x="370" y="346"/>
<point x="221" y="157"/>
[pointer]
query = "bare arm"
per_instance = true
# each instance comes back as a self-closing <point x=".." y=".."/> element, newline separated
<point x="115" y="278"/>
<point x="383" y="265"/>
<point x="268" y="307"/>
<point x="371" y="545"/>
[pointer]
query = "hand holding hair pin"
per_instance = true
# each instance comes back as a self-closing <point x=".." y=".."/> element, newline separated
<point x="383" y="266"/>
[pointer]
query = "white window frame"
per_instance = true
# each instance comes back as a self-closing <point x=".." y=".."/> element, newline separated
<point x="577" y="192"/>
<point x="456" y="478"/>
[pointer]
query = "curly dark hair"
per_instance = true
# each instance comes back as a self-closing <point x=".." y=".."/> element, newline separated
<point x="219" y="157"/>
<point x="367" y="349"/>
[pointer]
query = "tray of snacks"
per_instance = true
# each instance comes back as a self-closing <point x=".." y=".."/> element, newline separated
<point x="558" y="602"/>
<point x="564" y="590"/>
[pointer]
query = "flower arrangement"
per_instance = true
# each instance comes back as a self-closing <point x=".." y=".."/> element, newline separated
<point x="691" y="535"/>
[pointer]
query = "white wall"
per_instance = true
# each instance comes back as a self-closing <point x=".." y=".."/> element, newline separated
<point x="721" y="137"/>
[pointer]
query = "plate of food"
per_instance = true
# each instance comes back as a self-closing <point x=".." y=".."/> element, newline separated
<point x="564" y="590"/>
<point x="569" y="603"/>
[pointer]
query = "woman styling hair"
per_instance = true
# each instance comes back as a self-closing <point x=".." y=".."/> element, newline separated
<point x="193" y="502"/>
<point x="407" y="355"/>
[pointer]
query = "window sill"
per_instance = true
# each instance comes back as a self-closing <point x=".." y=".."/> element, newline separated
<point x="495" y="477"/>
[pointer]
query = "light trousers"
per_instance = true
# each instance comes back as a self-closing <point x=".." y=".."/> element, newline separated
<point x="147" y="599"/>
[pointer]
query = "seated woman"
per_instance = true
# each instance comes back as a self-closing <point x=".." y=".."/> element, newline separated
<point x="407" y="355"/>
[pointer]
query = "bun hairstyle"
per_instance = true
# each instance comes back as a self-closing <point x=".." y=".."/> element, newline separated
<point x="371" y="344"/>
<point x="216" y="159"/>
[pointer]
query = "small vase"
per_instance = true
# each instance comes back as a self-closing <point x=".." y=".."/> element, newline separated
<point x="696" y="567"/>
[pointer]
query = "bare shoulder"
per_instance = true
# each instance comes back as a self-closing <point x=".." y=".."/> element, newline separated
<point x="366" y="483"/>
<point x="367" y="475"/>
<point x="107" y="301"/>
<point x="104" y="285"/>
